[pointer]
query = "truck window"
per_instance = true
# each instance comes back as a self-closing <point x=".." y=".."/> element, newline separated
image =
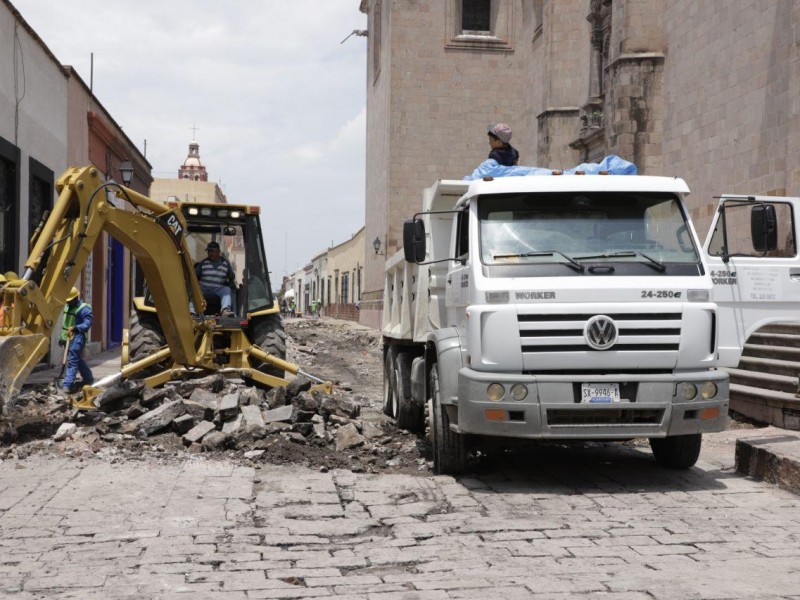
<point x="736" y="219"/>
<point x="524" y="228"/>
<point x="462" y="235"/>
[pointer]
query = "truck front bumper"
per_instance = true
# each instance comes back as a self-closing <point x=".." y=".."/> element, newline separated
<point x="652" y="405"/>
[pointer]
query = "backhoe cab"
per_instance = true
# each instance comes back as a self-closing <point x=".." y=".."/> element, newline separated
<point x="164" y="341"/>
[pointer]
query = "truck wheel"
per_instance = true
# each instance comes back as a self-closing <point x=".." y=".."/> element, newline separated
<point x="677" y="451"/>
<point x="449" y="447"/>
<point x="388" y="381"/>
<point x="267" y="333"/>
<point x="144" y="338"/>
<point x="408" y="415"/>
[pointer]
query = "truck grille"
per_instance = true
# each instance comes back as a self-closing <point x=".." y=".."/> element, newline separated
<point x="638" y="332"/>
<point x="626" y="417"/>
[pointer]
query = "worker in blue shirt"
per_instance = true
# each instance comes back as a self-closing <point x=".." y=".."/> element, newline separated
<point x="75" y="328"/>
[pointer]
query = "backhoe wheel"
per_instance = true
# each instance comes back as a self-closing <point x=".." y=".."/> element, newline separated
<point x="144" y="338"/>
<point x="267" y="333"/>
<point x="677" y="451"/>
<point x="389" y="386"/>
<point x="408" y="415"/>
<point x="449" y="447"/>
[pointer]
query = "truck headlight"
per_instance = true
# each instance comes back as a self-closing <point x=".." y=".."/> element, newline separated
<point x="519" y="392"/>
<point x="708" y="390"/>
<point x="495" y="392"/>
<point x="688" y="391"/>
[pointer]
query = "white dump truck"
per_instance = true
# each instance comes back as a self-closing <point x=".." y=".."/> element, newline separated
<point x="578" y="307"/>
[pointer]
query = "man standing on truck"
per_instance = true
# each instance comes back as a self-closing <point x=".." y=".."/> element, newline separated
<point x="76" y="324"/>
<point x="504" y="153"/>
<point x="215" y="275"/>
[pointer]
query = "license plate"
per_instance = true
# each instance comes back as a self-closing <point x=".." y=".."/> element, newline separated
<point x="599" y="393"/>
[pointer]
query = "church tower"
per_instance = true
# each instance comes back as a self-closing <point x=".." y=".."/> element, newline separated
<point x="192" y="169"/>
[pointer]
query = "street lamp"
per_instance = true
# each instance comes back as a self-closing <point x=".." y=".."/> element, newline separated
<point x="376" y="244"/>
<point x="126" y="171"/>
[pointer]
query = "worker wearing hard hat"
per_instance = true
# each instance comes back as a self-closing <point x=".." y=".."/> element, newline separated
<point x="74" y="330"/>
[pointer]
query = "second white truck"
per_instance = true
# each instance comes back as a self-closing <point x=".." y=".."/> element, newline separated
<point x="577" y="307"/>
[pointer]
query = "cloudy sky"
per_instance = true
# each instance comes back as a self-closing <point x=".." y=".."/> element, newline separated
<point x="278" y="102"/>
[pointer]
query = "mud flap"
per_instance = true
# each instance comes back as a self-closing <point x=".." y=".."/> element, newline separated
<point x="18" y="355"/>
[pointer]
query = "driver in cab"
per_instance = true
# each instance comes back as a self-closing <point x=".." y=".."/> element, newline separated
<point x="215" y="276"/>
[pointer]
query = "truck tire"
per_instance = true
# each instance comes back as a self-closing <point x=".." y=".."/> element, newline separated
<point x="267" y="333"/>
<point x="145" y="337"/>
<point x="408" y="415"/>
<point x="449" y="447"/>
<point x="388" y="380"/>
<point x="677" y="451"/>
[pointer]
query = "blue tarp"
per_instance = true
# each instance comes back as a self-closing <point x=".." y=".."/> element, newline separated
<point x="613" y="164"/>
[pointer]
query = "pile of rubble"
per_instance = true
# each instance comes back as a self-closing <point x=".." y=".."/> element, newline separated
<point x="215" y="413"/>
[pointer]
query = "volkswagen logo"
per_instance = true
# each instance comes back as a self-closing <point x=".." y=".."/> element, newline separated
<point x="600" y="332"/>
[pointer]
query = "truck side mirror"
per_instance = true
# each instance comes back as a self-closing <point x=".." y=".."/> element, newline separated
<point x="414" y="240"/>
<point x="763" y="227"/>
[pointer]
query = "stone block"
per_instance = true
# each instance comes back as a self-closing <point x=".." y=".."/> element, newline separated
<point x="344" y="407"/>
<point x="348" y="437"/>
<point x="275" y="397"/>
<point x="120" y="395"/>
<point x="206" y="399"/>
<point x="307" y="402"/>
<point x="157" y="419"/>
<point x="198" y="432"/>
<point x="152" y="397"/>
<point x="283" y="413"/>
<point x="199" y="411"/>
<point x="212" y="383"/>
<point x="183" y="424"/>
<point x="297" y="385"/>
<point x="233" y="426"/>
<point x="215" y="440"/>
<point x="251" y="396"/>
<point x="253" y="421"/>
<point x="228" y="406"/>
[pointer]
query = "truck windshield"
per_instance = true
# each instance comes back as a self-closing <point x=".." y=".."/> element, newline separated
<point x="573" y="227"/>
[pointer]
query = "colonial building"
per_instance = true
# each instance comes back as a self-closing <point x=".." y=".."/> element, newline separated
<point x="50" y="119"/>
<point x="704" y="90"/>
<point x="333" y="278"/>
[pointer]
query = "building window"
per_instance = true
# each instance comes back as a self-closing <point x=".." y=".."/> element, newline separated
<point x="479" y="24"/>
<point x="41" y="194"/>
<point x="476" y="16"/>
<point x="375" y="40"/>
<point x="538" y="18"/>
<point x="345" y="286"/>
<point x="9" y="200"/>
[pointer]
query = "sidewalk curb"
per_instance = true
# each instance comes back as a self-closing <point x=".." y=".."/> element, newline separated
<point x="774" y="459"/>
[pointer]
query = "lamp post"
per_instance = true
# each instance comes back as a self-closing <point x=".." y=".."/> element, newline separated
<point x="376" y="245"/>
<point x="126" y="171"/>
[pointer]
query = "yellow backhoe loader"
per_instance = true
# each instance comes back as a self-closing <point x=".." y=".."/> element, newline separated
<point x="166" y="341"/>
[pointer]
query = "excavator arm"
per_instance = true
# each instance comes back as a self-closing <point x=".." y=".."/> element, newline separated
<point x="154" y="233"/>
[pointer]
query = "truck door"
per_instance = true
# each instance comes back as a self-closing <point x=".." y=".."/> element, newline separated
<point x="751" y="253"/>
<point x="458" y="283"/>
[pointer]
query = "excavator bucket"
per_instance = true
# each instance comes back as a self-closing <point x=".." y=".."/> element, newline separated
<point x="18" y="355"/>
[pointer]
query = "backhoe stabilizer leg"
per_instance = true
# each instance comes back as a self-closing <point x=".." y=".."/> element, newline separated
<point x="292" y="368"/>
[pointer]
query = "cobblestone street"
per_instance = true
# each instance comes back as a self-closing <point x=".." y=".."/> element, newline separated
<point x="556" y="523"/>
